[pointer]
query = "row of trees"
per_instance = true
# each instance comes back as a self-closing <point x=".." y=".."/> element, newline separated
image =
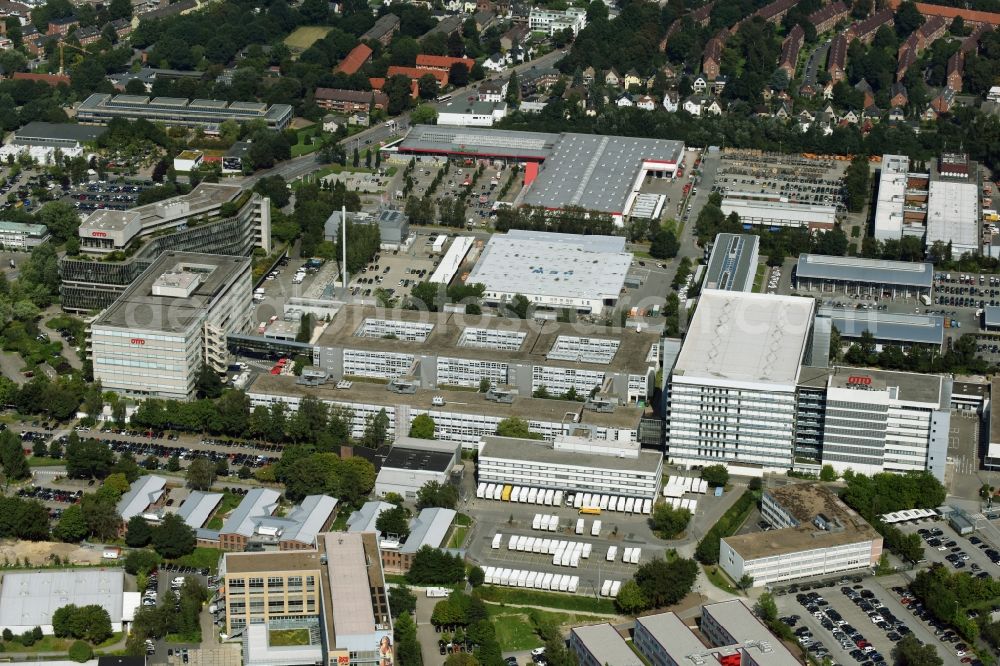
<point x="306" y="471"/>
<point x="177" y="613"/>
<point x="656" y="584"/>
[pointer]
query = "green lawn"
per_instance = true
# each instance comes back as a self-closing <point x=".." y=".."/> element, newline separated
<point x="570" y="602"/>
<point x="458" y="534"/>
<point x="201" y="558"/>
<point x="718" y="578"/>
<point x="184" y="638"/>
<point x="228" y="503"/>
<point x="515" y="630"/>
<point x="462" y="519"/>
<point x="45" y="462"/>
<point x="284" y="637"/>
<point x="758" y="281"/>
<point x="305" y="145"/>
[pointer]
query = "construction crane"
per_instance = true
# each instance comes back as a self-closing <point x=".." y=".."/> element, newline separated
<point x="62" y="60"/>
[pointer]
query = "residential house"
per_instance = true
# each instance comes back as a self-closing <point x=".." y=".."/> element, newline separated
<point x="897" y="95"/>
<point x="908" y="53"/>
<point x="446" y="26"/>
<point x="671" y="101"/>
<point x="359" y="118"/>
<point x="701" y="16"/>
<point x="669" y="72"/>
<point x="416" y="73"/>
<point x="944" y="101"/>
<point x="350" y="101"/>
<point x="971" y="43"/>
<point x="896" y="115"/>
<point x="60" y="27"/>
<point x="806" y="117"/>
<point x="493" y="90"/>
<point x="646" y="103"/>
<point x="826" y="18"/>
<point x="496" y="63"/>
<point x="836" y="60"/>
<point x="354" y="60"/>
<point x="88" y="35"/>
<point x="612" y="78"/>
<point x="632" y="80"/>
<point x="828" y="90"/>
<point x="865" y="89"/>
<point x="933" y="29"/>
<point x="484" y="19"/>
<point x="699" y="85"/>
<point x="956" y="67"/>
<point x="330" y="123"/>
<point x="385" y="27"/>
<point x="624" y="99"/>
<point x="551" y="21"/>
<point x="807" y="90"/>
<point x="719" y="84"/>
<point x="712" y="55"/>
<point x="588" y="75"/>
<point x="790" y="49"/>
<point x="535" y="79"/>
<point x="872" y="113"/>
<point x="378" y="83"/>
<point x="850" y="117"/>
<point x="53" y="80"/>
<point x="122" y="27"/>
<point x="930" y="114"/>
<point x="694" y="104"/>
<point x="714" y="107"/>
<point x="775" y="11"/>
<point x="864" y="31"/>
<point x="784" y="111"/>
<point x="518" y="34"/>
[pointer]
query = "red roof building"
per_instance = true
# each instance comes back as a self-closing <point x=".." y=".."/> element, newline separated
<point x="51" y="79"/>
<point x="354" y="60"/>
<point x="442" y="63"/>
<point x="415" y="73"/>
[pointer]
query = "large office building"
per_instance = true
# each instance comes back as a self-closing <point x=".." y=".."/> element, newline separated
<point x="553" y="271"/>
<point x="255" y="524"/>
<point x="866" y="277"/>
<point x="597" y="173"/>
<point x="733" y="385"/>
<point x="777" y="214"/>
<point x="102" y="108"/>
<point x="525" y="358"/>
<point x="572" y="464"/>
<point x="732" y="265"/>
<point x="340" y="583"/>
<point x="229" y="222"/>
<point x="889" y="204"/>
<point x="156" y="336"/>
<point x="814" y="534"/>
<point x="429" y="528"/>
<point x="22" y="236"/>
<point x="61" y="136"/>
<point x="953" y="216"/>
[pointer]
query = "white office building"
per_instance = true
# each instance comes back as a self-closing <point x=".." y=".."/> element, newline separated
<point x="773" y="214"/>
<point x="732" y="624"/>
<point x="22" y="235"/>
<point x="554" y="271"/>
<point x="175" y="317"/>
<point x="814" y="534"/>
<point x="471" y="113"/>
<point x="953" y="216"/>
<point x="571" y="464"/>
<point x="733" y="385"/>
<point x="551" y="21"/>
<point x="891" y="201"/>
<point x="599" y="645"/>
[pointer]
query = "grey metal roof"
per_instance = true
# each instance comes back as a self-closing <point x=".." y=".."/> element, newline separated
<point x="29" y="599"/>
<point x="198" y="507"/>
<point x="869" y="271"/>
<point x="733" y="262"/>
<point x="991" y="315"/>
<point x="596" y="172"/>
<point x="429" y="528"/>
<point x="257" y="504"/>
<point x="308" y="518"/>
<point x="363" y="520"/>
<point x="479" y="142"/>
<point x="145" y="491"/>
<point x="911" y="328"/>
<point x="39" y="133"/>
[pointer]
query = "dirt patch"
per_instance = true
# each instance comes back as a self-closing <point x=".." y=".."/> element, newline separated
<point x="43" y="552"/>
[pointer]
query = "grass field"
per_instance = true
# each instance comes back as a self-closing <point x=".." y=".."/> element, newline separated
<point x="515" y="630"/>
<point x="54" y="644"/>
<point x="569" y="602"/>
<point x="285" y="637"/>
<point x="302" y="38"/>
<point x="228" y="503"/>
<point x="201" y="558"/>
<point x="458" y="535"/>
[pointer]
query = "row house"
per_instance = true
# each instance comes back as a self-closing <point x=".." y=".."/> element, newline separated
<point x="775" y="11"/>
<point x="826" y="18"/>
<point x="836" y="62"/>
<point x="378" y="83"/>
<point x="61" y="26"/>
<point x="864" y="31"/>
<point x="971" y="43"/>
<point x="417" y="73"/>
<point x="944" y="101"/>
<point x="349" y="101"/>
<point x="866" y="90"/>
<point x="122" y="28"/>
<point x="790" y="49"/>
<point x="956" y="67"/>
<point x="712" y="58"/>
<point x="701" y="16"/>
<point x="907" y="58"/>
<point x="671" y="31"/>
<point x="87" y="36"/>
<point x="382" y="32"/>
<point x="933" y="29"/>
<point x="897" y="95"/>
<point x="703" y="86"/>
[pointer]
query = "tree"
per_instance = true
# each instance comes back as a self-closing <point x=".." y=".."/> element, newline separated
<point x="173" y="463"/>
<point x="138" y="533"/>
<point x="397" y="88"/>
<point x="516" y="427"/>
<point x="80" y="652"/>
<point x="458" y="75"/>
<point x="435" y="494"/>
<point x="665" y="244"/>
<point x="716" y="475"/>
<point x="394" y="521"/>
<point x="630" y="599"/>
<point x="908" y="18"/>
<point x="71" y="528"/>
<point x="665" y="583"/>
<point x="424" y="114"/>
<point x="513" y="97"/>
<point x="401" y="600"/>
<point x="61" y="219"/>
<point x="208" y="385"/>
<point x="201" y="474"/>
<point x="376" y="430"/>
<point x="172" y="538"/>
<point x="432" y="566"/>
<point x="428" y="87"/>
<point x="101" y="516"/>
<point x="422" y="427"/>
<point x="476" y="576"/>
<point x="911" y="652"/>
<point x="828" y="474"/>
<point x="745" y="582"/>
<point x="767" y="608"/>
<point x="88" y="459"/>
<point x="12" y="459"/>
<point x="669" y="522"/>
<point x="141" y="561"/>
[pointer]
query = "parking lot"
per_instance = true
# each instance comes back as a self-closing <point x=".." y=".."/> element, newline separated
<point x="958" y="553"/>
<point x="479" y="196"/>
<point x="792" y="178"/>
<point x="118" y="195"/>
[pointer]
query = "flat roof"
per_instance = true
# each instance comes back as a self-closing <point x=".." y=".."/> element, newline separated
<point x="891" y="195"/>
<point x="36" y="230"/>
<point x="198" y="508"/>
<point x="478" y="142"/>
<point x="868" y="271"/>
<point x="737" y="619"/>
<point x="953" y="214"/>
<point x="261" y="562"/>
<point x="606" y="645"/>
<point x="446" y="338"/>
<point x="538" y="451"/>
<point x="552" y="264"/>
<point x="29" y="599"/>
<point x="260" y="652"/>
<point x="401" y="457"/>
<point x="347" y="573"/>
<point x="139" y="309"/>
<point x="462" y="402"/>
<point x="675" y="637"/>
<point x="206" y="195"/>
<point x="740" y="336"/>
<point x="597" y="172"/>
<point x="904" y="327"/>
<point x="733" y="261"/>
<point x="908" y="386"/>
<point x="994" y="443"/>
<point x="790" y="211"/>
<point x="60" y="132"/>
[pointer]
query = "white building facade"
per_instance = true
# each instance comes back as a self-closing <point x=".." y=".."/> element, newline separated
<point x="551" y="21"/>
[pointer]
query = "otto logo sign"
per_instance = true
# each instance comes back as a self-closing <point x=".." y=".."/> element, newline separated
<point x="138" y="341"/>
<point x="99" y="234"/>
<point x="859" y="380"/>
<point x="343" y="660"/>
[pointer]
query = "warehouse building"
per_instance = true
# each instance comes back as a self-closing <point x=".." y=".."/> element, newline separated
<point x="554" y="271"/>
<point x="571" y="464"/>
<point x="953" y="216"/>
<point x="102" y="108"/>
<point x="598" y="173"/>
<point x="887" y="328"/>
<point x="62" y="136"/>
<point x="991" y="459"/>
<point x="413" y="462"/>
<point x="777" y="214"/>
<point x="439" y="350"/>
<point x="733" y="385"/>
<point x="854" y="275"/>
<point x="154" y="339"/>
<point x="733" y="263"/>
<point x="29" y="599"/>
<point x="601" y="644"/>
<point x="22" y="235"/>
<point x="340" y="583"/>
<point x="459" y="415"/>
<point x="814" y="534"/>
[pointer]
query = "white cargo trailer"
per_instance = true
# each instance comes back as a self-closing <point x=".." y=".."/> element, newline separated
<point x="604" y="502"/>
<point x="567" y="557"/>
<point x="523" y="497"/>
<point x="505" y="577"/>
<point x="557" y="498"/>
<point x="481" y="490"/>
<point x="498" y="491"/>
<point x="577" y="501"/>
<point x="532" y="495"/>
<point x="512" y="542"/>
<point x="547" y="582"/>
<point x="574" y="583"/>
<point x="586" y="551"/>
<point x="549" y="495"/>
<point x="617" y="585"/>
<point x="595" y="529"/>
<point x="564" y="584"/>
<point x="497" y="540"/>
<point x="531" y="579"/>
<point x="636" y="554"/>
<point x="612" y="553"/>
<point x="536" y="522"/>
<point x="626" y="555"/>
<point x="647" y="506"/>
<point x="629" y="505"/>
<point x="529" y="546"/>
<point x="606" y="588"/>
<point x="574" y="559"/>
<point x="490" y="488"/>
<point x="579" y="525"/>
<point x="553" y="523"/>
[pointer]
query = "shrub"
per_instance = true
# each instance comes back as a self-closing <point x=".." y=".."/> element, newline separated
<point x="80" y="651"/>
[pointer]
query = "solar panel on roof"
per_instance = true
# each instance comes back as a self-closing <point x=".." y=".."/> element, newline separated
<point x="208" y="104"/>
<point x="169" y="101"/>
